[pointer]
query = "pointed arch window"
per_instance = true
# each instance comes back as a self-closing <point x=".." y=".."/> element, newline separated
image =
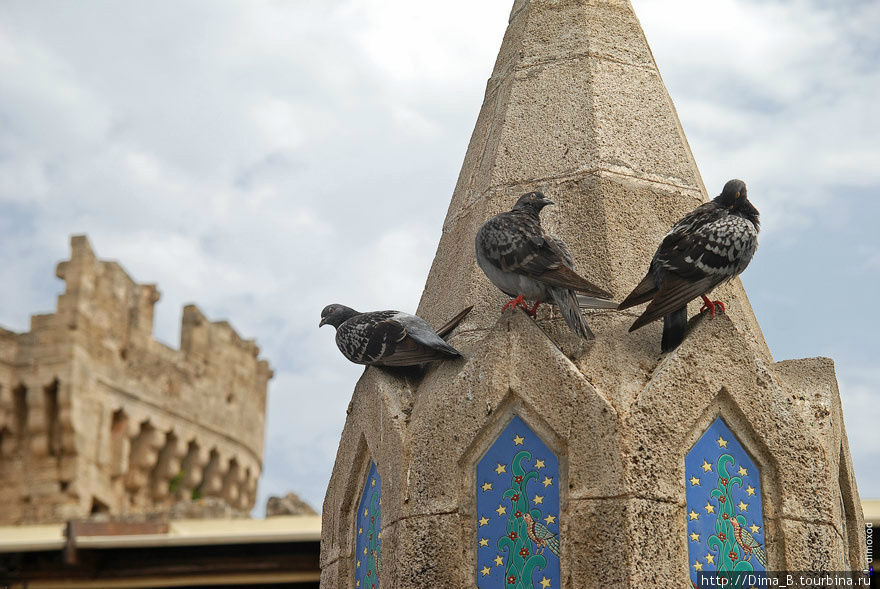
<point x="517" y="541"/>
<point x="725" y="522"/>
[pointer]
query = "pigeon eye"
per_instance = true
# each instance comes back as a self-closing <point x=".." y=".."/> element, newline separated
<point x="737" y="194"/>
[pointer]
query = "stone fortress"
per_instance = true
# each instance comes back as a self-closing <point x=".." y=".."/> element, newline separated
<point x="98" y="417"/>
<point x="542" y="460"/>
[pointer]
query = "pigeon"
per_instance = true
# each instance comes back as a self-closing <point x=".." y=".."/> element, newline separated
<point x="526" y="263"/>
<point x="711" y="245"/>
<point x="389" y="338"/>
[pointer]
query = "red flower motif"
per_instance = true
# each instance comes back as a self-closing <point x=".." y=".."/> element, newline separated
<point x="518" y="513"/>
<point x="511" y="580"/>
<point x="369" y="573"/>
<point x="722" y="536"/>
<point x="515" y="497"/>
<point x="513" y="535"/>
<point x="725" y="516"/>
<point x="517" y="479"/>
<point x="733" y="555"/>
<point x="524" y="552"/>
<point x="724" y="481"/>
<point x="722" y="499"/>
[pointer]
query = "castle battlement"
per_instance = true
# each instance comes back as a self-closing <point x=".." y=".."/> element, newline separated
<point x="98" y="416"/>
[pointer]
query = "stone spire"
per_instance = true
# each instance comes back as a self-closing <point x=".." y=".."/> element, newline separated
<point x="576" y="108"/>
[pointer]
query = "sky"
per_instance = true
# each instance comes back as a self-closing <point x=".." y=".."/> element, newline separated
<point x="263" y="159"/>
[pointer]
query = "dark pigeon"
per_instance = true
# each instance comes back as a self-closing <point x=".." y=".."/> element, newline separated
<point x="708" y="247"/>
<point x="529" y="264"/>
<point x="389" y="338"/>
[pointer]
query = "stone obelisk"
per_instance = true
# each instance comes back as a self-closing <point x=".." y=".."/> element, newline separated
<point x="542" y="460"/>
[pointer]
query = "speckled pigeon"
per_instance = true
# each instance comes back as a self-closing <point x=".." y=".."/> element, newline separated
<point x="389" y="338"/>
<point x="529" y="264"/>
<point x="711" y="245"/>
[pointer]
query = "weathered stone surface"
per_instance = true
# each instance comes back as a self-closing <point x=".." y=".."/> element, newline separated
<point x="290" y="504"/>
<point x="576" y="108"/>
<point x="98" y="417"/>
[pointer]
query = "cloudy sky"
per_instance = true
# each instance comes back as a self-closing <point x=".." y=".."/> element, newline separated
<point x="266" y="158"/>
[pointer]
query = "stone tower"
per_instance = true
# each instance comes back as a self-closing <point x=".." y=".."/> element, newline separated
<point x="98" y="417"/>
<point x="543" y="460"/>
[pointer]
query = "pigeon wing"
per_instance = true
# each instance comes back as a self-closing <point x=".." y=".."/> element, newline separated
<point x="368" y="338"/>
<point x="453" y="323"/>
<point x="418" y="345"/>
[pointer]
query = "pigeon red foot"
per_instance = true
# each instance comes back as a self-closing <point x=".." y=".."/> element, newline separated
<point x="514" y="303"/>
<point x="711" y="305"/>
<point x="534" y="310"/>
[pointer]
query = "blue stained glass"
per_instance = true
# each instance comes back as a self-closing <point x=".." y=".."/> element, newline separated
<point x="368" y="542"/>
<point x="725" y="523"/>
<point x="518" y="512"/>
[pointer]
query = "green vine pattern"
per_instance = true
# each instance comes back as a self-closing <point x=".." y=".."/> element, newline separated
<point x="728" y="555"/>
<point x="520" y="563"/>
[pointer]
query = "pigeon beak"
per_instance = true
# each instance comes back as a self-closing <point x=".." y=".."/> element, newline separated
<point x="323" y="322"/>
<point x="547" y="202"/>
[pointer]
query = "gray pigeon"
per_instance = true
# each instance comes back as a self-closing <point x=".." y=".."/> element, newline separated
<point x="389" y="338"/>
<point x="529" y="264"/>
<point x="708" y="247"/>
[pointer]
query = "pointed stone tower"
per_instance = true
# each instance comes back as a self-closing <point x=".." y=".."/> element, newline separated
<point x="540" y="460"/>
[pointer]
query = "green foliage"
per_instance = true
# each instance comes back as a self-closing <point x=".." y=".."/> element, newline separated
<point x="729" y="558"/>
<point x="519" y="560"/>
<point x="373" y="545"/>
<point x="176" y="480"/>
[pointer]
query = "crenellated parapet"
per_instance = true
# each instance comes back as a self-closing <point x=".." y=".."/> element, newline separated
<point x="98" y="416"/>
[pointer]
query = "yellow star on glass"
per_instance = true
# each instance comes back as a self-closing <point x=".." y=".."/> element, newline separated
<point x="360" y="531"/>
<point x="501" y="510"/>
<point x="487" y="487"/>
<point x="707" y="467"/>
<point x="538" y="499"/>
<point x="695" y="482"/>
<point x="545" y="582"/>
<point x="750" y="490"/>
<point x="365" y="549"/>
<point x="547" y="482"/>
<point x="710" y="559"/>
<point x="484" y="542"/>
<point x="742" y="471"/>
<point x="695" y="537"/>
<point x="485" y="571"/>
<point x="722" y="443"/>
<point x="499" y="561"/>
<point x="754" y="528"/>
<point x="358" y="564"/>
<point x="694" y="515"/>
<point x="709" y="508"/>
<point x="743" y="506"/>
<point x="518" y="440"/>
<point x="357" y="584"/>
<point x="365" y="512"/>
<point x="484" y="521"/>
<point x="373" y="483"/>
<point x="380" y="535"/>
<point x="550" y="519"/>
<point x="698" y="566"/>
<point x="539" y="464"/>
<point x="501" y="468"/>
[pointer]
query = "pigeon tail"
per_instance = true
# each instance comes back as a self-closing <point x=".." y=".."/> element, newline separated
<point x="642" y="293"/>
<point x="674" y="326"/>
<point x="567" y="302"/>
<point x="453" y="323"/>
<point x="586" y="302"/>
